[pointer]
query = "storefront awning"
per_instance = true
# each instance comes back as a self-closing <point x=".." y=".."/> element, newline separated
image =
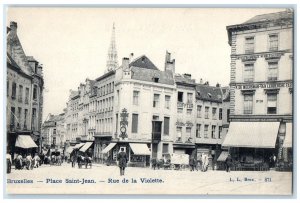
<point x="70" y="150"/>
<point x="223" y="156"/>
<point x="108" y="148"/>
<point x="288" y="136"/>
<point x="25" y="142"/>
<point x="77" y="146"/>
<point x="86" y="146"/>
<point x="251" y="134"/>
<point x="140" y="149"/>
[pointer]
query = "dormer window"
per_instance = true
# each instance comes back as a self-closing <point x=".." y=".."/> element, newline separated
<point x="156" y="79"/>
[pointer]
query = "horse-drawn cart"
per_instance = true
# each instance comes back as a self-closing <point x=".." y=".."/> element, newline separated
<point x="179" y="161"/>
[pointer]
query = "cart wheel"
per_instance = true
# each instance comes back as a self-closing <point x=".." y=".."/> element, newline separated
<point x="182" y="167"/>
<point x="172" y="166"/>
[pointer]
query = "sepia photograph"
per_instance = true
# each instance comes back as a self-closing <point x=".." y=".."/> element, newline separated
<point x="149" y="101"/>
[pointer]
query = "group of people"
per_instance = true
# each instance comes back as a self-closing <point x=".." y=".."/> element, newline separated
<point x="203" y="163"/>
<point x="27" y="161"/>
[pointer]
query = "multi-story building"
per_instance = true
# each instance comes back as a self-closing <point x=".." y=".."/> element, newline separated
<point x="184" y="141"/>
<point x="53" y="129"/>
<point x="144" y="110"/>
<point x="25" y="85"/>
<point x="261" y="86"/>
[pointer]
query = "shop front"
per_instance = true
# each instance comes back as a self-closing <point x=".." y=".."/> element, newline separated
<point x="253" y="145"/>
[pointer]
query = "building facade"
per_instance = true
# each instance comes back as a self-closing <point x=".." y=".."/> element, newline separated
<point x="24" y="100"/>
<point x="261" y="85"/>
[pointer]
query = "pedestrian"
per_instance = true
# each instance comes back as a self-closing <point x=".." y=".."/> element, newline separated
<point x="37" y="160"/>
<point x="192" y="163"/>
<point x="29" y="161"/>
<point x="228" y="163"/>
<point x="122" y="158"/>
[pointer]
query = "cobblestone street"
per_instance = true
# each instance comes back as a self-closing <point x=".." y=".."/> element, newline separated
<point x="102" y="179"/>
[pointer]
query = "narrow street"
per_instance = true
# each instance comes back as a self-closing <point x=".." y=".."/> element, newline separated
<point x="102" y="179"/>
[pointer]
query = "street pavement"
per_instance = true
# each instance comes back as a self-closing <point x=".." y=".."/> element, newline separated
<point x="102" y="179"/>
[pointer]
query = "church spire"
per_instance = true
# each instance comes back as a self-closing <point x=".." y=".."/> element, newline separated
<point x="112" y="57"/>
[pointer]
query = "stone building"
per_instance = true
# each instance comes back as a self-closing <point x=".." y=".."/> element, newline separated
<point x="24" y="99"/>
<point x="261" y="87"/>
<point x="184" y="139"/>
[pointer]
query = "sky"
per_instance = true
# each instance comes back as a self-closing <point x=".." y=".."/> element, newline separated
<point x="72" y="43"/>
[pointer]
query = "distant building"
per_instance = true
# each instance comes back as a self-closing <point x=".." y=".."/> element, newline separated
<point x="261" y="87"/>
<point x="54" y="135"/>
<point x="24" y="92"/>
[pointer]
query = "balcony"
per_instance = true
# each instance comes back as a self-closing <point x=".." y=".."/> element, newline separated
<point x="189" y="105"/>
<point x="180" y="104"/>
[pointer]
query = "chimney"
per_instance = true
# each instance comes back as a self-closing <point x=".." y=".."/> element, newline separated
<point x="201" y="81"/>
<point x="187" y="76"/>
<point x="131" y="57"/>
<point x="218" y="85"/>
<point x="125" y="63"/>
<point x="168" y="57"/>
<point x="13" y="26"/>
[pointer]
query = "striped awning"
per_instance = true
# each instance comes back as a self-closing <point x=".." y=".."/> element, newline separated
<point x="288" y="140"/>
<point x="108" y="148"/>
<point x="70" y="150"/>
<point x="25" y="142"/>
<point x="86" y="146"/>
<point x="251" y="134"/>
<point x="78" y="146"/>
<point x="223" y="156"/>
<point x="140" y="149"/>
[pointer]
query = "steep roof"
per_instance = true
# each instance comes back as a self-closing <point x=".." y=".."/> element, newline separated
<point x="208" y="93"/>
<point x="143" y="62"/>
<point x="270" y="17"/>
<point x="183" y="80"/>
<point x="149" y="75"/>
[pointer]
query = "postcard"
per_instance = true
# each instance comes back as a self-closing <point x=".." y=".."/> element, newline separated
<point x="155" y="101"/>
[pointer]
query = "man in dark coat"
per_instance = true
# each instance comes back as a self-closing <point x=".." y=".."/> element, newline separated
<point x="192" y="162"/>
<point x="122" y="158"/>
<point x="228" y="163"/>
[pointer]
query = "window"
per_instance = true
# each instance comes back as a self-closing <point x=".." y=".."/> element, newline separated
<point x="54" y="141"/>
<point x="118" y="98"/>
<point x="20" y="96"/>
<point x="165" y="149"/>
<point x="112" y="87"/>
<point x="220" y="132"/>
<point x="33" y="119"/>
<point x="167" y="101"/>
<point x="206" y="112"/>
<point x="249" y="45"/>
<point x="228" y="114"/>
<point x="213" y="131"/>
<point x="156" y="101"/>
<point x="249" y="72"/>
<point x="7" y="88"/>
<point x="117" y="122"/>
<point x="273" y="42"/>
<point x="220" y="113"/>
<point x="156" y="79"/>
<point x="198" y="130"/>
<point x="179" y="132"/>
<point x="136" y="97"/>
<point x="189" y="111"/>
<point x="13" y="90"/>
<point x="199" y="109"/>
<point x="214" y="113"/>
<point x="180" y="97"/>
<point x="188" y="132"/>
<point x="166" y="125"/>
<point x="272" y="103"/>
<point x="54" y="131"/>
<point x="272" y="71"/>
<point x="135" y="120"/>
<point x="25" y="118"/>
<point x="206" y="131"/>
<point x="190" y="98"/>
<point x="19" y="117"/>
<point x="179" y="110"/>
<point x="12" y="116"/>
<point x="34" y="92"/>
<point x="248" y="104"/>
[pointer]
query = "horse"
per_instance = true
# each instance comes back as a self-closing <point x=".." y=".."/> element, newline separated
<point x="157" y="163"/>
